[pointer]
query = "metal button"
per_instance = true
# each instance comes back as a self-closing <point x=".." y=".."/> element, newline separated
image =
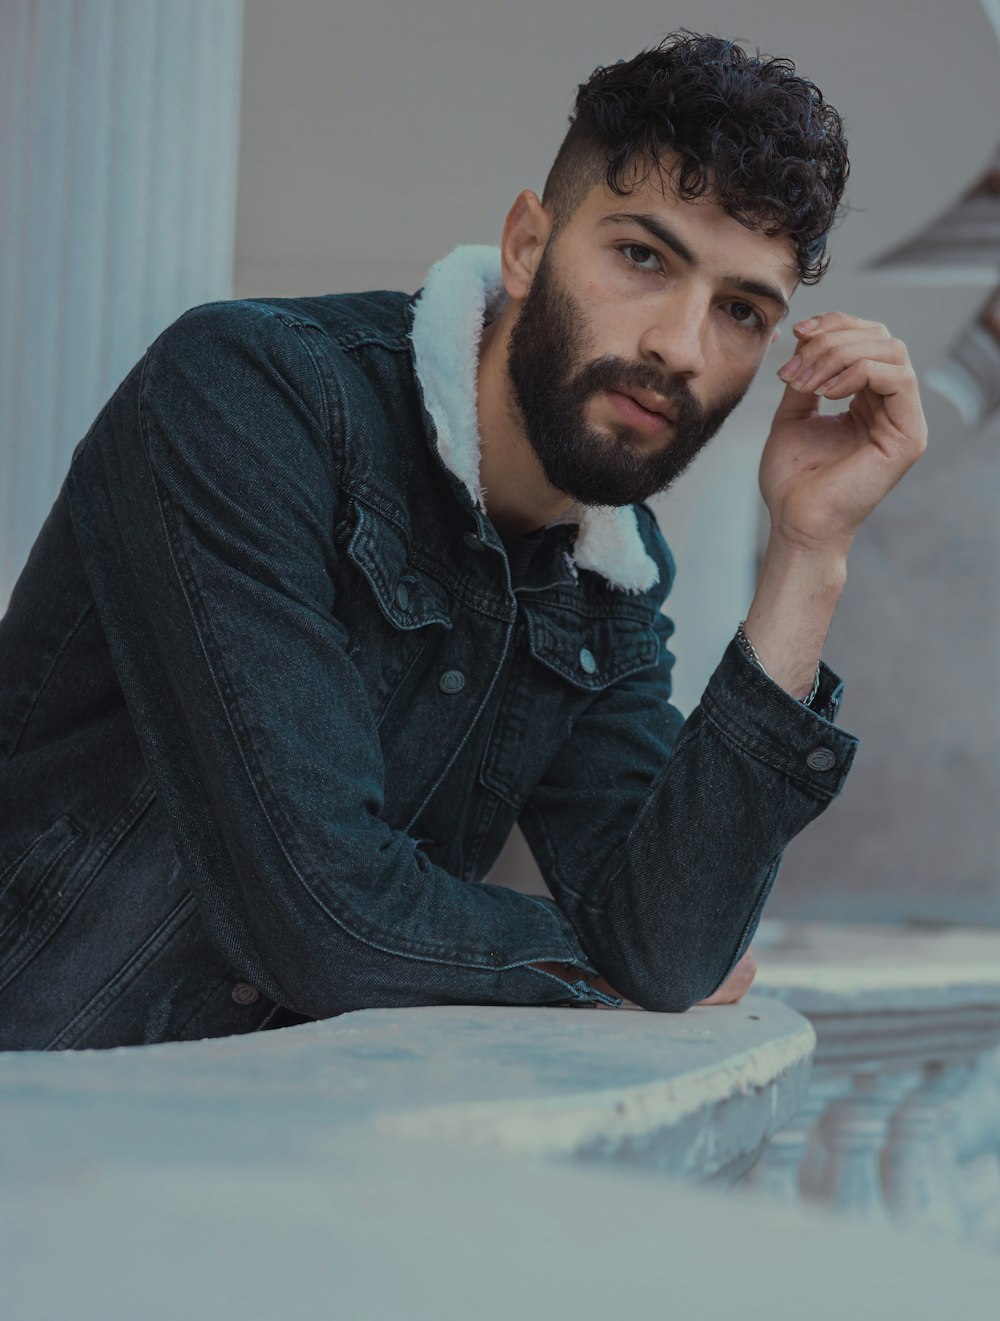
<point x="473" y="542"/>
<point x="821" y="759"/>
<point x="587" y="662"/>
<point x="402" y="597"/>
<point x="245" y="994"/>
<point x="452" y="681"/>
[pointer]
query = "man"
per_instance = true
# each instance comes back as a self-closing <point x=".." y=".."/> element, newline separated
<point x="339" y="588"/>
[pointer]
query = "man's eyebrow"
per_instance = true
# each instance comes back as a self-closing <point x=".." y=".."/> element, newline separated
<point x="655" y="226"/>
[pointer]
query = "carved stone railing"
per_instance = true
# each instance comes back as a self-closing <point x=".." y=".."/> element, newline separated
<point x="344" y="1170"/>
<point x="900" y="1121"/>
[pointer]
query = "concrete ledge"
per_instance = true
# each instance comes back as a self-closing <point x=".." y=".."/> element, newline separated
<point x="696" y="1094"/>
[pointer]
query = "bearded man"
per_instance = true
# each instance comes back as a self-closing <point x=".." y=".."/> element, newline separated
<point x="339" y="588"/>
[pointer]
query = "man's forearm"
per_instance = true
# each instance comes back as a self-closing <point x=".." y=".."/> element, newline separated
<point x="797" y="594"/>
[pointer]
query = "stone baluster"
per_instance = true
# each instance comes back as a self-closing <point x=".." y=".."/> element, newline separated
<point x="789" y="1167"/>
<point x="856" y="1129"/>
<point x="920" y="1163"/>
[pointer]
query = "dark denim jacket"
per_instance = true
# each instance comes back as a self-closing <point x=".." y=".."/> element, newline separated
<point x="270" y="706"/>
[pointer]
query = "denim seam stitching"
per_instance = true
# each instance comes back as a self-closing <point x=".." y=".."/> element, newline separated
<point x="81" y="877"/>
<point x="23" y="723"/>
<point x="596" y="902"/>
<point x="759" y="900"/>
<point x="736" y="735"/>
<point x="98" y="1005"/>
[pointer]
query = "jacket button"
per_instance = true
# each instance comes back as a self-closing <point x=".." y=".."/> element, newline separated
<point x="473" y="542"/>
<point x="452" y="681"/>
<point x="821" y="759"/>
<point x="587" y="662"/>
<point x="245" y="994"/>
<point x="402" y="597"/>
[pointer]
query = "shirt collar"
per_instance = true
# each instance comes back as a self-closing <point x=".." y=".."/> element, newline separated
<point x="461" y="294"/>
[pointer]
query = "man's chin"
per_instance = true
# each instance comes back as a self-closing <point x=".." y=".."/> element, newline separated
<point x="604" y="495"/>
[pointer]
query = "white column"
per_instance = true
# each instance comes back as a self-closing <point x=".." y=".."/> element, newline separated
<point x="119" y="125"/>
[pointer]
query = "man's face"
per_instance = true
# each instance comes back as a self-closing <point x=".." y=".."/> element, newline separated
<point x="678" y="307"/>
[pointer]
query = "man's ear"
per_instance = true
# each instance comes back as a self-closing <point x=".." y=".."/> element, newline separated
<point x="526" y="231"/>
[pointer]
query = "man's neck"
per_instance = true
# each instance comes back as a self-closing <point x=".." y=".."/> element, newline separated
<point x="518" y="497"/>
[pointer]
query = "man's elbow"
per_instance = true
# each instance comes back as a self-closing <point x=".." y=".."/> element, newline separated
<point x="674" y="990"/>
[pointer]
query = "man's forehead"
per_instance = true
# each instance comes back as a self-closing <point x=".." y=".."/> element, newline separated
<point x="652" y="193"/>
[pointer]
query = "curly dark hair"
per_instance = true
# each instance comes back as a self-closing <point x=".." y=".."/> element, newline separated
<point x="749" y="132"/>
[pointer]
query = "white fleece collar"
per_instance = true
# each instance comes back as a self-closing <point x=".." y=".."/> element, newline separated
<point x="461" y="293"/>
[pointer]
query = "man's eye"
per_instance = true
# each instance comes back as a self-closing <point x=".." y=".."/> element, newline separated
<point x="747" y="316"/>
<point x="644" y="254"/>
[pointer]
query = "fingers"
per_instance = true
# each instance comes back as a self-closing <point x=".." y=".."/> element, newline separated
<point x="837" y="321"/>
<point x="826" y="352"/>
<point x="838" y="357"/>
<point x="895" y="386"/>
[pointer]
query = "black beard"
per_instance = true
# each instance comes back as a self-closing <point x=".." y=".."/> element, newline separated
<point x="591" y="466"/>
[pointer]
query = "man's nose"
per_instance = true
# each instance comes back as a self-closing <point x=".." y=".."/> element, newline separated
<point x="676" y="336"/>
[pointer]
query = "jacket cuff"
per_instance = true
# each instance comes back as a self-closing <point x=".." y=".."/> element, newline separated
<point x="768" y="723"/>
<point x="573" y="953"/>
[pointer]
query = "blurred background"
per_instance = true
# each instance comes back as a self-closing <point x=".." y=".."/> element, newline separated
<point x="157" y="154"/>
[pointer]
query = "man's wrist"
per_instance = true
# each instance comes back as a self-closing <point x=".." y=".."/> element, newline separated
<point x="750" y="651"/>
<point x="797" y="593"/>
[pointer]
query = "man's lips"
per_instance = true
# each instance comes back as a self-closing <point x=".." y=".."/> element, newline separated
<point x="650" y="416"/>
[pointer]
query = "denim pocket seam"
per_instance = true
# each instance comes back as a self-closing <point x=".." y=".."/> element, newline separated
<point x="98" y="1005"/>
<point x="77" y="881"/>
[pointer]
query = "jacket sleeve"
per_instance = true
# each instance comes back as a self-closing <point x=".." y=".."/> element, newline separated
<point x="660" y="838"/>
<point x="204" y="502"/>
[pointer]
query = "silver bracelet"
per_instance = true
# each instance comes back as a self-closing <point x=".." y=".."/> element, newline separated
<point x="750" y="650"/>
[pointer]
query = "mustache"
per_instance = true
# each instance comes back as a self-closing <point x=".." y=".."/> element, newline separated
<point x="616" y="374"/>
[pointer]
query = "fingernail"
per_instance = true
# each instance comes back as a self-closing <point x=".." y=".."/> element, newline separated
<point x="790" y="370"/>
<point x="811" y="324"/>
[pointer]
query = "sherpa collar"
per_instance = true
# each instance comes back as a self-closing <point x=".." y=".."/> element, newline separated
<point x="461" y="293"/>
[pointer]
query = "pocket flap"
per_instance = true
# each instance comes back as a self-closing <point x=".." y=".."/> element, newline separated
<point x="590" y="651"/>
<point x="407" y="597"/>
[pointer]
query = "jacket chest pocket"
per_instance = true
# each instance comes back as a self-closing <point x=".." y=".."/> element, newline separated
<point x="390" y="606"/>
<point x="565" y="660"/>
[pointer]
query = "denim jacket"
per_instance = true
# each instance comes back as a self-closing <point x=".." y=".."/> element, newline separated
<point x="270" y="706"/>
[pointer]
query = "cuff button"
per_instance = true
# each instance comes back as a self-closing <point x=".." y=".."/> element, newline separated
<point x="245" y="994"/>
<point x="821" y="759"/>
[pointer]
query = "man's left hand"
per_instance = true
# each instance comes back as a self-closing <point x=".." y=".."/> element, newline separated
<point x="821" y="475"/>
